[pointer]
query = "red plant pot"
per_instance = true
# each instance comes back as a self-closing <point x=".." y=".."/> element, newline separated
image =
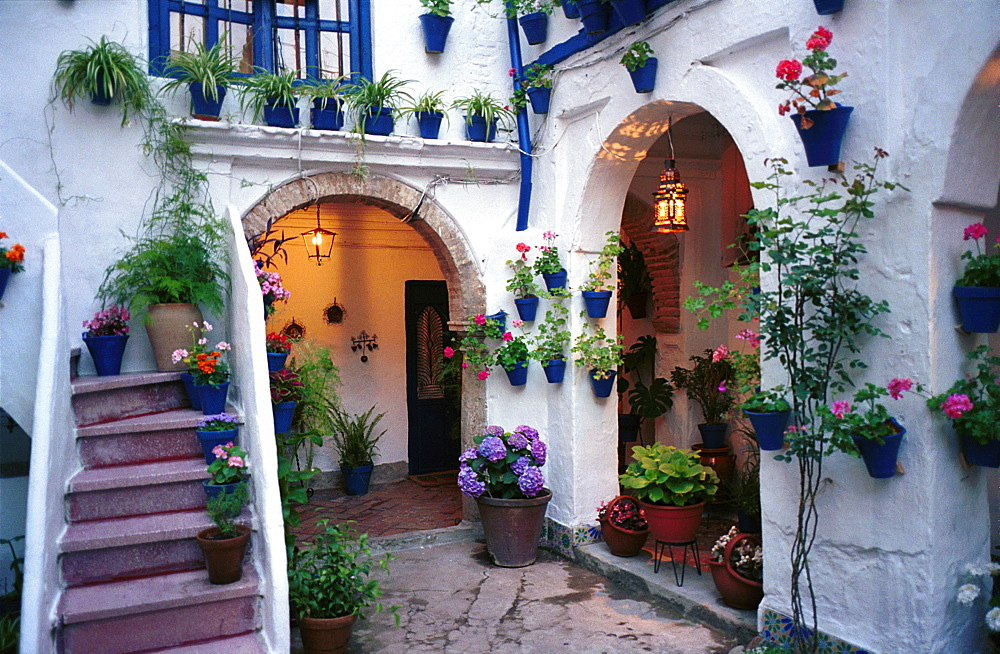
<point x="737" y="591"/>
<point x="673" y="524"/>
<point x="623" y="542"/>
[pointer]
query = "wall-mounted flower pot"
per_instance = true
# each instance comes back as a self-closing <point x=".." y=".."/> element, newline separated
<point x="476" y="129"/>
<point x="4" y="277"/>
<point x="770" y="428"/>
<point x="203" y="107"/>
<point x="828" y="7"/>
<point x="539" y="97"/>
<point x="555" y="280"/>
<point x="379" y="121"/>
<point x="280" y="115"/>
<point x="629" y="12"/>
<point x="570" y="9"/>
<point x="597" y="303"/>
<point x="823" y="138"/>
<point x="501" y="318"/>
<point x="644" y="77"/>
<point x="209" y="439"/>
<point x="429" y="124"/>
<point x="357" y="479"/>
<point x="602" y="387"/>
<point x="713" y="436"/>
<point x="535" y="27"/>
<point x="595" y="15"/>
<point x="213" y="398"/>
<point x="880" y="459"/>
<point x="436" y="30"/>
<point x="555" y="370"/>
<point x="979" y="308"/>
<point x="276" y="361"/>
<point x="329" y="117"/>
<point x="519" y="375"/>
<point x="977" y="454"/>
<point x="99" y="97"/>
<point x="107" y="352"/>
<point x="527" y="308"/>
<point x="284" y="414"/>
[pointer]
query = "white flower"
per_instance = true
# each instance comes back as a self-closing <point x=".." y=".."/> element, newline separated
<point x="207" y="326"/>
<point x="202" y="341"/>
<point x="222" y="346"/>
<point x="178" y="355"/>
<point x="968" y="593"/>
<point x="993" y="618"/>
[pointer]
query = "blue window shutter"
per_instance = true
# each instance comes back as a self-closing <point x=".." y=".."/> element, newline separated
<point x="361" y="37"/>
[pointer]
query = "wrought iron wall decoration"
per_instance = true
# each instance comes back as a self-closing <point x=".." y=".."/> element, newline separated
<point x="364" y="342"/>
<point x="334" y="314"/>
<point x="294" y="330"/>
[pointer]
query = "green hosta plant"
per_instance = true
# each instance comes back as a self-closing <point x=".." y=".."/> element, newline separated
<point x="598" y="352"/>
<point x="662" y="474"/>
<point x="607" y="260"/>
<point x="211" y="67"/>
<point x="437" y="7"/>
<point x="107" y="69"/>
<point x="636" y="55"/>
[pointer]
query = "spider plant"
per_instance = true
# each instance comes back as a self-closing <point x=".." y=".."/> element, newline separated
<point x="482" y="105"/>
<point x="265" y="88"/>
<point x="211" y="67"/>
<point x="425" y="103"/>
<point x="103" y="71"/>
<point x="366" y="95"/>
<point x="332" y="91"/>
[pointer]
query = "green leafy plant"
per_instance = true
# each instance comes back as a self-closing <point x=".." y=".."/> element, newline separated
<point x="547" y="262"/>
<point x="982" y="269"/>
<point x="333" y="576"/>
<point x="472" y="348"/>
<point x="365" y="95"/>
<point x="354" y="437"/>
<point x="600" y="274"/>
<point x="515" y="8"/>
<point x="437" y="7"/>
<point x="103" y="69"/>
<point x="211" y="67"/>
<point x="551" y="335"/>
<point x="512" y="352"/>
<point x="224" y="508"/>
<point x="598" y="352"/>
<point x="864" y="416"/>
<point x="662" y="474"/>
<point x="522" y="282"/>
<point x="265" y="88"/>
<point x="10" y="633"/>
<point x="633" y="275"/>
<point x="636" y="55"/>
<point x="17" y="565"/>
<point x="973" y="402"/>
<point x="331" y="92"/>
<point x="484" y="106"/>
<point x="427" y="102"/>
<point x="743" y="491"/>
<point x="706" y="383"/>
<point x="286" y="386"/>
<point x="646" y="401"/>
<point x="536" y="76"/>
<point x="771" y="400"/>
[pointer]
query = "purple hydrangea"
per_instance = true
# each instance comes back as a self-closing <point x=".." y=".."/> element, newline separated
<point x="493" y="448"/>
<point x="517" y="441"/>
<point x="538" y="450"/>
<point x="519" y="466"/>
<point x="529" y="432"/>
<point x="531" y="481"/>
<point x="493" y="430"/>
<point x="470" y="454"/>
<point x="468" y="482"/>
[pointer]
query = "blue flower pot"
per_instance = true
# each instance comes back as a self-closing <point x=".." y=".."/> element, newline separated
<point x="749" y="524"/>
<point x="979" y="308"/>
<point x="429" y="123"/>
<point x="597" y="303"/>
<point x="213" y="398"/>
<point x="107" y="352"/>
<point x="209" y="439"/>
<point x="476" y="129"/>
<point x="356" y="480"/>
<point x="555" y="370"/>
<point x="284" y="414"/>
<point x="202" y="107"/>
<point x="570" y="9"/>
<point x="213" y="490"/>
<point x="535" y="27"/>
<point x="713" y="437"/>
<point x="628" y="427"/>
<point x="987" y="456"/>
<point x="881" y="459"/>
<point x="602" y="387"/>
<point x="501" y="318"/>
<point x="379" y="121"/>
<point x="436" y="30"/>
<point x="4" y="276"/>
<point x="822" y="140"/>
<point x="644" y="77"/>
<point x="527" y="308"/>
<point x="770" y="428"/>
<point x="629" y="12"/>
<point x="276" y="361"/>
<point x="280" y="115"/>
<point x="519" y="375"/>
<point x="539" y="97"/>
<point x="595" y="15"/>
<point x="828" y="7"/>
<point x="330" y="117"/>
<point x="555" y="280"/>
<point x="192" y="391"/>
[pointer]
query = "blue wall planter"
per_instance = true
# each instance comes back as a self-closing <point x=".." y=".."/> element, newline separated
<point x="527" y="308"/>
<point x="284" y="413"/>
<point x="987" y="456"/>
<point x="202" y="107"/>
<point x="429" y="123"/>
<point x="570" y="9"/>
<point x="209" y="439"/>
<point x="644" y="77"/>
<point x="4" y="276"/>
<point x="602" y="387"/>
<point x="769" y="427"/>
<point x="519" y="375"/>
<point x="107" y="352"/>
<point x="213" y="398"/>
<point x="555" y="280"/>
<point x="276" y="361"/>
<point x="979" y="308"/>
<point x="629" y="12"/>
<point x="476" y="129"/>
<point x="357" y="479"/>
<point x="713" y="437"/>
<point x="823" y="139"/>
<point x="827" y="7"/>
<point x="501" y="318"/>
<point x="330" y="117"/>
<point x="279" y="115"/>
<point x="595" y="15"/>
<point x="555" y="371"/>
<point x="379" y="121"/>
<point x="597" y="303"/>
<point x="436" y="30"/>
<point x="535" y="27"/>
<point x="539" y="97"/>
<point x="881" y="459"/>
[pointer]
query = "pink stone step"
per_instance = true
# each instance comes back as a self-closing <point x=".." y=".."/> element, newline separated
<point x="163" y="436"/>
<point x="102" y="399"/>
<point x="132" y="490"/>
<point x="157" y="612"/>
<point x="244" y="644"/>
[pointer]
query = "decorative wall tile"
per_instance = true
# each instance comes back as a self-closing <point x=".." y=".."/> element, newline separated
<point x="779" y="629"/>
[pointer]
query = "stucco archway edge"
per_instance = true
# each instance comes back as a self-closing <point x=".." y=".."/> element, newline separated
<point x="466" y="292"/>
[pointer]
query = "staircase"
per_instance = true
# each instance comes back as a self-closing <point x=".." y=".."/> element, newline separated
<point x="133" y="576"/>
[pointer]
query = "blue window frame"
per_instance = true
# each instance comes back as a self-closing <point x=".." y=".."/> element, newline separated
<point x="316" y="38"/>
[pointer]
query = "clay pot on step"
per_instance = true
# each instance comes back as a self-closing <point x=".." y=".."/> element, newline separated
<point x="224" y="557"/>
<point x="326" y="635"/>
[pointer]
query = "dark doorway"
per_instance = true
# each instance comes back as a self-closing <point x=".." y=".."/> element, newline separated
<point x="432" y="404"/>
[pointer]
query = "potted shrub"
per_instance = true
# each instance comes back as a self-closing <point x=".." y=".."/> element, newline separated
<point x="513" y="356"/>
<point x="597" y="289"/>
<point x="374" y="103"/>
<point x="820" y="121"/>
<point x="641" y="66"/>
<point x="973" y="405"/>
<point x="278" y="346"/>
<point x="207" y="72"/>
<point x="977" y="291"/>
<point x="429" y="109"/>
<point x="743" y="491"/>
<point x="11" y="261"/>
<point x="550" y="342"/>
<point x="623" y="526"/>
<point x="737" y="567"/>
<point x="522" y="285"/>
<point x="548" y="265"/>
<point x="534" y="86"/>
<point x="356" y="443"/>
<point x="483" y="113"/>
<point x="103" y="71"/>
<point x="220" y="429"/>
<point x="769" y="412"/>
<point x="227" y="471"/>
<point x="436" y="23"/>
<point x="331" y="582"/>
<point x="225" y="544"/>
<point x="600" y="355"/>
<point x="327" y="111"/>
<point x="273" y="96"/>
<point x="634" y="282"/>
<point x="106" y="337"/>
<point x="502" y="472"/>
<point x="644" y="401"/>
<point x="286" y="391"/>
<point x="705" y="382"/>
<point x="672" y="487"/>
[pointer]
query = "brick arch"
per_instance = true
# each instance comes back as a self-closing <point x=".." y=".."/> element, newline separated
<point x="662" y="255"/>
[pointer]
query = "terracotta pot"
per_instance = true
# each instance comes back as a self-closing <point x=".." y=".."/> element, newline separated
<point x="722" y="461"/>
<point x="168" y="331"/>
<point x="513" y="527"/>
<point x="623" y="542"/>
<point x="326" y="635"/>
<point x="738" y="592"/>
<point x="224" y="558"/>
<point x="673" y="524"/>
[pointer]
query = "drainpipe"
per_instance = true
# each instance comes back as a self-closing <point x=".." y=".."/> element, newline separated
<point x="523" y="128"/>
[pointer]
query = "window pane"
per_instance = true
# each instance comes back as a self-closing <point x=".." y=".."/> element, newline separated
<point x="335" y="54"/>
<point x="291" y="51"/>
<point x="334" y="10"/>
<point x="185" y="30"/>
<point x="240" y="43"/>
<point x="294" y="8"/>
<point x="237" y="5"/>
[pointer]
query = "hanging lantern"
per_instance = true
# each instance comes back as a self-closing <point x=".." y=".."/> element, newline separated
<point x="319" y="242"/>
<point x="671" y="196"/>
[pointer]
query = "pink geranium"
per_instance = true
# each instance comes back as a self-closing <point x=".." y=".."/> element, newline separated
<point x="956" y="405"/>
<point x="449" y="352"/>
<point x="483" y="374"/>
<point x="840" y="408"/>
<point x="507" y="336"/>
<point x="975" y="231"/>
<point x="720" y="353"/>
<point x="899" y="386"/>
<point x="480" y="319"/>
